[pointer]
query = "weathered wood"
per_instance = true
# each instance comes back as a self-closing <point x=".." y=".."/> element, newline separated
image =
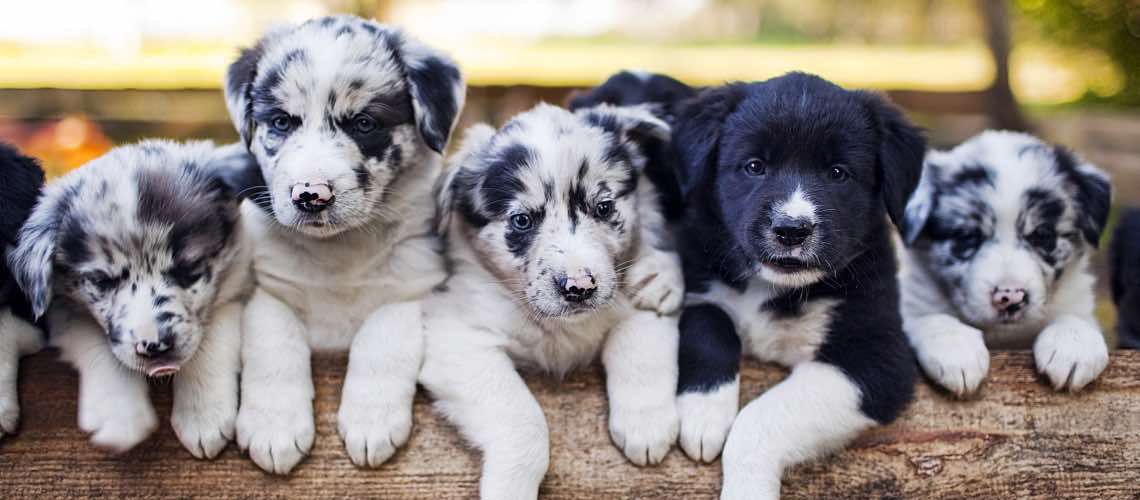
<point x="1017" y="439"/>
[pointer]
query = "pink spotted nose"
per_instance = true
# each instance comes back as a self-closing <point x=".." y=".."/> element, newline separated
<point x="1009" y="300"/>
<point x="312" y="196"/>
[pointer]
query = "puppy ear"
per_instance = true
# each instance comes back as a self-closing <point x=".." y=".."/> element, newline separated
<point x="636" y="124"/>
<point x="238" y="87"/>
<point x="475" y="140"/>
<point x="437" y="90"/>
<point x="1093" y="193"/>
<point x="921" y="203"/>
<point x="23" y="181"/>
<point x="699" y="121"/>
<point x="900" y="153"/>
<point x="31" y="261"/>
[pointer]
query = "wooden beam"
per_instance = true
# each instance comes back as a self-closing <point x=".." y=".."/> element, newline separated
<point x="1017" y="439"/>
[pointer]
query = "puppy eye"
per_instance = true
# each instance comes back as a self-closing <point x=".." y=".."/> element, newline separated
<point x="966" y="244"/>
<point x="363" y="124"/>
<point x="1042" y="236"/>
<point x="839" y="173"/>
<point x="755" y="167"/>
<point x="604" y="209"/>
<point x="281" y="123"/>
<point x="103" y="282"/>
<point x="186" y="275"/>
<point x="521" y="222"/>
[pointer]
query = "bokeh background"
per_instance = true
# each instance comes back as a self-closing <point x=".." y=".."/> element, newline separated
<point x="79" y="76"/>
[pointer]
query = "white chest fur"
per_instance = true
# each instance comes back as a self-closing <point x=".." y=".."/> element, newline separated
<point x="765" y="334"/>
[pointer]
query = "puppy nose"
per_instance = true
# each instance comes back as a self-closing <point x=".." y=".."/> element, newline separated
<point x="1009" y="299"/>
<point x="312" y="196"/>
<point x="149" y="349"/>
<point x="577" y="288"/>
<point x="792" y="232"/>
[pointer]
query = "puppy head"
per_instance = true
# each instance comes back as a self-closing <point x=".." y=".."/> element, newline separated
<point x="336" y="110"/>
<point x="549" y="202"/>
<point x="138" y="237"/>
<point x="799" y="170"/>
<point x="998" y="220"/>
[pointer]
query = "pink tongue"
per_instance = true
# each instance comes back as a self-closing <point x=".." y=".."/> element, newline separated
<point x="161" y="370"/>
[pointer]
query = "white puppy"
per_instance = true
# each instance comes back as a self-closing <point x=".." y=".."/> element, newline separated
<point x="555" y="240"/>
<point x="348" y="119"/>
<point x="1000" y="231"/>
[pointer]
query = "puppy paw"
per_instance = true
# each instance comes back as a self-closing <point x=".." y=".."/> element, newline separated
<point x="9" y="413"/>
<point x="205" y="422"/>
<point x="373" y="429"/>
<point x="956" y="358"/>
<point x="276" y="436"/>
<point x="657" y="283"/>
<point x="705" y="421"/>
<point x="644" y="434"/>
<point x="117" y="423"/>
<point x="1071" y="353"/>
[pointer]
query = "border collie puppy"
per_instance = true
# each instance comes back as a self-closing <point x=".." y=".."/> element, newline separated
<point x="23" y="180"/>
<point x="138" y="253"/>
<point x="1000" y="231"/>
<point x="559" y="256"/>
<point x="347" y="119"/>
<point x="1125" y="264"/>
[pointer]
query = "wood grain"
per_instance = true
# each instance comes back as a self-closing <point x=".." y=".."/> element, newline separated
<point x="1017" y="439"/>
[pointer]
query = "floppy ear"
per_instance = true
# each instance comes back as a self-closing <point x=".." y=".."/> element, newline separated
<point x="238" y="85"/>
<point x="636" y="124"/>
<point x="900" y="152"/>
<point x="475" y="140"/>
<point x="1093" y="193"/>
<point x="32" y="260"/>
<point x="697" y="131"/>
<point x="437" y="90"/>
<point x="921" y="203"/>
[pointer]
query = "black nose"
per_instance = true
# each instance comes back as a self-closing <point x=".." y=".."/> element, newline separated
<point x="309" y="202"/>
<point x="148" y="349"/>
<point x="576" y="289"/>
<point x="792" y="232"/>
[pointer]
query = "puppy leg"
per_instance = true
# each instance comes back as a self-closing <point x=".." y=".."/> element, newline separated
<point x="478" y="390"/>
<point x="275" y="420"/>
<point x="17" y="338"/>
<point x="657" y="281"/>
<point x="375" y="416"/>
<point x="640" y="357"/>
<point x="1071" y="352"/>
<point x="951" y="353"/>
<point x="114" y="406"/>
<point x="814" y="411"/>
<point x="206" y="389"/>
<point x="708" y="390"/>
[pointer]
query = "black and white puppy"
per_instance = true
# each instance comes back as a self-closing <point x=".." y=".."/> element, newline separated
<point x="1125" y="269"/>
<point x="23" y="180"/>
<point x="1000" y="231"/>
<point x="788" y="186"/>
<point x="138" y="254"/>
<point x="348" y="119"/>
<point x="559" y="256"/>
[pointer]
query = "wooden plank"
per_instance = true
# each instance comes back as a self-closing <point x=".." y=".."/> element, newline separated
<point x="1017" y="439"/>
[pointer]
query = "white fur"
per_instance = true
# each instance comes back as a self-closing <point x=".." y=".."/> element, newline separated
<point x="706" y="418"/>
<point x="17" y="338"/>
<point x="798" y="206"/>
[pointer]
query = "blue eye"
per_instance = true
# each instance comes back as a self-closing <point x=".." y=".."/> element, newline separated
<point x="363" y="124"/>
<point x="281" y="123"/>
<point x="521" y="222"/>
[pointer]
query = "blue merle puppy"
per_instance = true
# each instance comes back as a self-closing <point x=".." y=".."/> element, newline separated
<point x="138" y="256"/>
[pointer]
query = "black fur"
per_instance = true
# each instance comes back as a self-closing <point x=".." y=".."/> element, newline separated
<point x="23" y="181"/>
<point x="1124" y="258"/>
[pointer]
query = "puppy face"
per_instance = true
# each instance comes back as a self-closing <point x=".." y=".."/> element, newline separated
<point x="798" y="170"/>
<point x="1000" y="218"/>
<point x="138" y="238"/>
<point x="336" y="110"/>
<point x="549" y="202"/>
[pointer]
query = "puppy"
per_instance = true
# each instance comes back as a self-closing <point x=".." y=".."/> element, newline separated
<point x="138" y="254"/>
<point x="23" y="180"/>
<point x="1125" y="269"/>
<point x="347" y="119"/>
<point x="558" y="250"/>
<point x="1000" y="231"/>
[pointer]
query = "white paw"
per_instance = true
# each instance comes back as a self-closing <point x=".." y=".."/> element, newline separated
<point x="1071" y="352"/>
<point x="9" y="412"/>
<point x="657" y="282"/>
<point x="956" y="358"/>
<point x="117" y="423"/>
<point x="276" y="435"/>
<point x="644" y="434"/>
<point x="204" y="422"/>
<point x="706" y="419"/>
<point x="373" y="429"/>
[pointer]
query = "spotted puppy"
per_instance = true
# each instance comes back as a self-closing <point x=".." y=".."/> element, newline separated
<point x="23" y="180"/>
<point x="348" y="119"/>
<point x="555" y="239"/>
<point x="1000" y="233"/>
<point x="138" y="254"/>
